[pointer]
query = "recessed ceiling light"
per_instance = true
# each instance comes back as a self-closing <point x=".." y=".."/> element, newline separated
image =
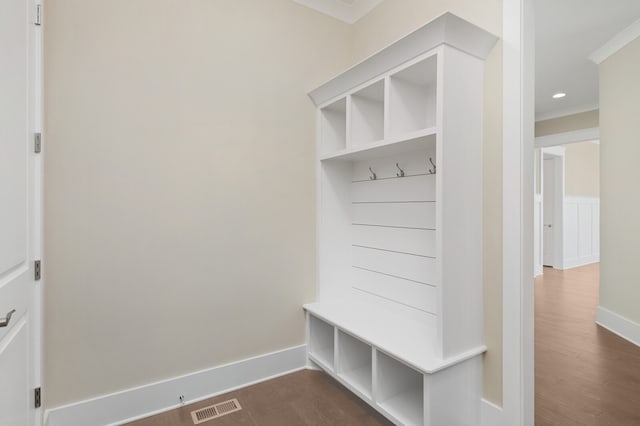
<point x="559" y="95"/>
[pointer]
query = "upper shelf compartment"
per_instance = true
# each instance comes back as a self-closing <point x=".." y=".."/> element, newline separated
<point x="333" y="126"/>
<point x="412" y="98"/>
<point x="367" y="114"/>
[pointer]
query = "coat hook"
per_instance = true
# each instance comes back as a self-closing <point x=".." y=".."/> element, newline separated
<point x="373" y="175"/>
<point x="432" y="171"/>
<point x="401" y="174"/>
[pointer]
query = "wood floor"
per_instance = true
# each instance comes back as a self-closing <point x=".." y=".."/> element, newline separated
<point x="585" y="375"/>
<point x="302" y="398"/>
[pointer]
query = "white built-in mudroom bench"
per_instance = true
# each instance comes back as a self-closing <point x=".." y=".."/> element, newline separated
<point x="398" y="316"/>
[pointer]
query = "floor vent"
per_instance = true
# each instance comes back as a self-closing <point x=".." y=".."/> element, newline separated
<point x="214" y="411"/>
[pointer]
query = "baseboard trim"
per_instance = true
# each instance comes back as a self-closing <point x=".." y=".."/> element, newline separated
<point x="577" y="262"/>
<point x="491" y="414"/>
<point x="617" y="324"/>
<point x="136" y="403"/>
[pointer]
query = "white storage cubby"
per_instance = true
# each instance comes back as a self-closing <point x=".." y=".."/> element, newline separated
<point x="354" y="363"/>
<point x="412" y="98"/>
<point x="321" y="338"/>
<point x="400" y="390"/>
<point x="367" y="114"/>
<point x="333" y="126"/>
<point x="398" y="317"/>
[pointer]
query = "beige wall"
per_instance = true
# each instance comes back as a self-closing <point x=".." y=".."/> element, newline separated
<point x="568" y="123"/>
<point x="179" y="201"/>
<point x="396" y="18"/>
<point x="582" y="169"/>
<point x="620" y="199"/>
<point x="180" y="227"/>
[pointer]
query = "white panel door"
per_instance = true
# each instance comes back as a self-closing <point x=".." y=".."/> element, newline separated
<point x="548" y="205"/>
<point x="19" y="212"/>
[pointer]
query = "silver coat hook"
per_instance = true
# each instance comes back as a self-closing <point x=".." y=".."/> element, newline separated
<point x="373" y="175"/>
<point x="432" y="171"/>
<point x="401" y="174"/>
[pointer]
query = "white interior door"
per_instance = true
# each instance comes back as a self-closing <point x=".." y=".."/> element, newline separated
<point x="19" y="213"/>
<point x="548" y="194"/>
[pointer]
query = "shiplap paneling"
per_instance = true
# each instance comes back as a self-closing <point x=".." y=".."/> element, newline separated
<point x="410" y="215"/>
<point x="403" y="240"/>
<point x="409" y="293"/>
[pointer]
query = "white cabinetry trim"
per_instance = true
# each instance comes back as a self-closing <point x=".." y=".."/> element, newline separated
<point x="153" y="398"/>
<point x="623" y="327"/>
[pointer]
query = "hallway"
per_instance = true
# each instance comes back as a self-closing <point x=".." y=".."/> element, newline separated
<point x="585" y="375"/>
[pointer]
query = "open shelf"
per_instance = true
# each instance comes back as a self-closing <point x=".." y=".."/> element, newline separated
<point x="410" y="142"/>
<point x="354" y="363"/>
<point x="412" y="98"/>
<point x="333" y="126"/>
<point x="400" y="390"/>
<point x="321" y="342"/>
<point x="367" y="114"/>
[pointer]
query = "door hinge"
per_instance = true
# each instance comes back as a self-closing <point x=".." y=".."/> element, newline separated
<point x="37" y="397"/>
<point x="38" y="15"/>
<point x="37" y="142"/>
<point x="36" y="270"/>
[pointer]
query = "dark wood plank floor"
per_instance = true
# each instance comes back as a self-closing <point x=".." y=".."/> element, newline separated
<point x="298" y="399"/>
<point x="585" y="375"/>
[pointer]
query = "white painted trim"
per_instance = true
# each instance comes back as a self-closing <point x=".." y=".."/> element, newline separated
<point x="618" y="41"/>
<point x="342" y="10"/>
<point x="617" y="324"/>
<point x="577" y="262"/>
<point x="517" y="174"/>
<point x="582" y="135"/>
<point x="593" y="106"/>
<point x="135" y="403"/>
<point x="491" y="414"/>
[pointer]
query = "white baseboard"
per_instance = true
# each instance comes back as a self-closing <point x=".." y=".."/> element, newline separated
<point x="579" y="261"/>
<point x="132" y="404"/>
<point x="491" y="414"/>
<point x="538" y="270"/>
<point x="619" y="325"/>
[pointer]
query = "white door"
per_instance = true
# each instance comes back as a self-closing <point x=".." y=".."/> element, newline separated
<point x="19" y="213"/>
<point x="548" y="195"/>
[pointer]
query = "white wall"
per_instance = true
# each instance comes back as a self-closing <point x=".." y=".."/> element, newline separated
<point x="180" y="205"/>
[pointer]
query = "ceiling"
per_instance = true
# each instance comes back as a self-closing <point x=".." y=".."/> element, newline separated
<point x="567" y="33"/>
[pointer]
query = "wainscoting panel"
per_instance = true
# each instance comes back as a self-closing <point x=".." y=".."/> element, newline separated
<point x="581" y="231"/>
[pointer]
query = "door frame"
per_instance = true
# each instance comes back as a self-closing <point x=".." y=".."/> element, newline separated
<point x="36" y="57"/>
<point x="517" y="206"/>
<point x="558" y="157"/>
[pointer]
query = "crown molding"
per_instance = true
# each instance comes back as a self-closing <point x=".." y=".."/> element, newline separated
<point x="618" y="41"/>
<point x="349" y="11"/>
<point x="567" y="111"/>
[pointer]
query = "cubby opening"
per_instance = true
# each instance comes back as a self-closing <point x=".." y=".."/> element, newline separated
<point x="354" y="364"/>
<point x="367" y="114"/>
<point x="321" y="341"/>
<point x="333" y="126"/>
<point x="412" y="98"/>
<point x="400" y="390"/>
